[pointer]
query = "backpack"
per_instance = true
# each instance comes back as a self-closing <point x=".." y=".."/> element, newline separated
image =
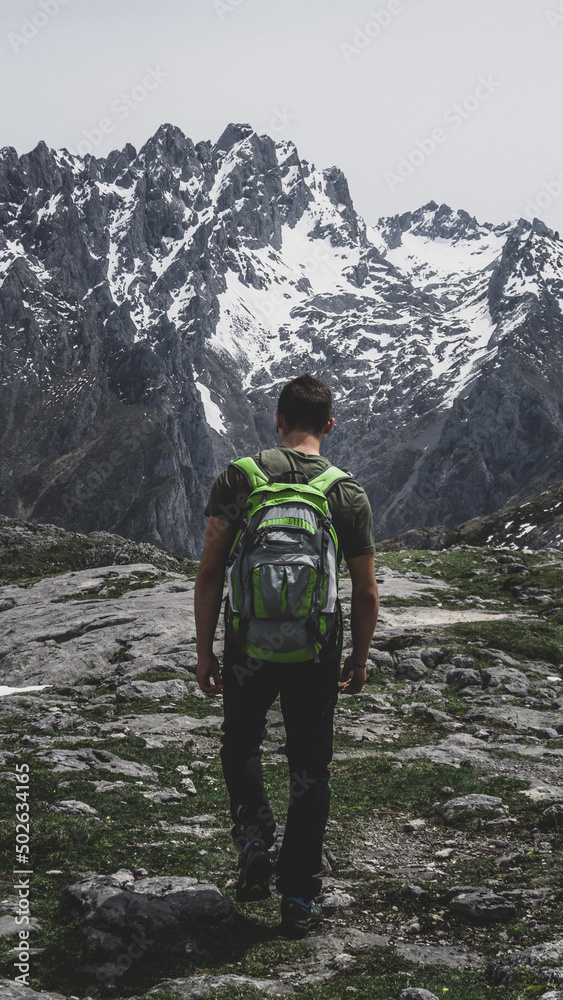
<point x="282" y="571"/>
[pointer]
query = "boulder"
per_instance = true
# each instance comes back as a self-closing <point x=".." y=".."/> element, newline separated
<point x="463" y="662"/>
<point x="552" y="818"/>
<point x="118" y="904"/>
<point x="482" y="904"/>
<point x="465" y="807"/>
<point x="155" y="690"/>
<point x="73" y="807"/>
<point x="463" y="677"/>
<point x="415" y="993"/>
<point x="514" y="681"/>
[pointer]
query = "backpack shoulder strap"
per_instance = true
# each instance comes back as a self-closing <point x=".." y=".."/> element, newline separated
<point x="328" y="478"/>
<point x="255" y="475"/>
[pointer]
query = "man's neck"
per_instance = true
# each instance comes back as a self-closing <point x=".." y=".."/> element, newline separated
<point x="301" y="441"/>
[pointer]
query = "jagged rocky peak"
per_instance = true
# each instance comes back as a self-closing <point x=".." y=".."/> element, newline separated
<point x="232" y="135"/>
<point x="529" y="271"/>
<point x="433" y="222"/>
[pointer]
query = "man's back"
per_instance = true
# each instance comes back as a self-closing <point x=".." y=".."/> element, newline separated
<point x="347" y="500"/>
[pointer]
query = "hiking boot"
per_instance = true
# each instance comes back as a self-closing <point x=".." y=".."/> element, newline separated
<point x="298" y="916"/>
<point x="255" y="869"/>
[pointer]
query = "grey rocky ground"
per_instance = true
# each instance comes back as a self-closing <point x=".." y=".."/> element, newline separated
<point x="443" y="851"/>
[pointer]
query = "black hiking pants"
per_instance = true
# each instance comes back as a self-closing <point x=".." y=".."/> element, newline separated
<point x="308" y="693"/>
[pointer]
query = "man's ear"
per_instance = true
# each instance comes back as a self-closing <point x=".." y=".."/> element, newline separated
<point x="329" y="426"/>
<point x="279" y="420"/>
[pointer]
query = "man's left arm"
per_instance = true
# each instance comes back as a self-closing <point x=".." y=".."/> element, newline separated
<point x="208" y="596"/>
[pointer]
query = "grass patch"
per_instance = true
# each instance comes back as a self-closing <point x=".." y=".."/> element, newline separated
<point x="475" y="572"/>
<point x="380" y="974"/>
<point x="524" y="639"/>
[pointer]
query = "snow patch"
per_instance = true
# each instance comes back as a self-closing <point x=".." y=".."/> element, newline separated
<point x="212" y="411"/>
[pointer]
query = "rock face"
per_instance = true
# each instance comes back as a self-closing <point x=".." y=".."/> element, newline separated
<point x="147" y="299"/>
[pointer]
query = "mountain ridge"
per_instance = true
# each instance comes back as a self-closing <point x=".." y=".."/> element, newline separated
<point x="152" y="303"/>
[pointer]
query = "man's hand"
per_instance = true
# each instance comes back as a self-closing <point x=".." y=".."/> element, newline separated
<point x="209" y="675"/>
<point x="355" y="683"/>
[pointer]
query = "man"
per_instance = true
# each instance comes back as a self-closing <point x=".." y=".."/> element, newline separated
<point x="308" y="689"/>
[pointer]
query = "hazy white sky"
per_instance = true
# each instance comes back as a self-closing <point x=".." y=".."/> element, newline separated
<point x="453" y="100"/>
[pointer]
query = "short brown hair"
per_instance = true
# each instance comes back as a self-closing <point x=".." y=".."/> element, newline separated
<point x="305" y="403"/>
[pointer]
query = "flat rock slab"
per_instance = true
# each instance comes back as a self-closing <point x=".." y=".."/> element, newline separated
<point x="134" y="690"/>
<point x="198" y="987"/>
<point x="457" y="749"/>
<point x="541" y="792"/>
<point x="329" y="953"/>
<point x="436" y="954"/>
<point x="393" y="584"/>
<point x="9" y="928"/>
<point x="45" y="642"/>
<point x="80" y="582"/>
<point x="520" y="719"/>
<point x="167" y="727"/>
<point x="419" y="617"/>
<point x="10" y="990"/>
<point x="86" y="757"/>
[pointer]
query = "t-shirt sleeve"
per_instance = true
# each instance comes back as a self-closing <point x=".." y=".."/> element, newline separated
<point x="228" y="497"/>
<point x="353" y="521"/>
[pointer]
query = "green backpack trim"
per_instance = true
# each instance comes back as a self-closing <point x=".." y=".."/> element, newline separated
<point x="255" y="475"/>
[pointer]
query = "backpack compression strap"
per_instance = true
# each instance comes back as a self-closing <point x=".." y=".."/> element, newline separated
<point x="255" y="475"/>
<point x="328" y="478"/>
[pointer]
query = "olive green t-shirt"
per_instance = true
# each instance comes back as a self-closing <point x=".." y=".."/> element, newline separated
<point x="347" y="501"/>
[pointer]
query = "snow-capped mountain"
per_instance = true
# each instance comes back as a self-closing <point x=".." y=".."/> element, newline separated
<point x="153" y="303"/>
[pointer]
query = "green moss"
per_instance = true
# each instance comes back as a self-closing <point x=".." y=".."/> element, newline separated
<point x="39" y="554"/>
<point x="525" y="638"/>
<point x="120" y="653"/>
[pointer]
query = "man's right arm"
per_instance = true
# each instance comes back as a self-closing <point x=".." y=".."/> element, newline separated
<point x="363" y="619"/>
<point x="208" y="596"/>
